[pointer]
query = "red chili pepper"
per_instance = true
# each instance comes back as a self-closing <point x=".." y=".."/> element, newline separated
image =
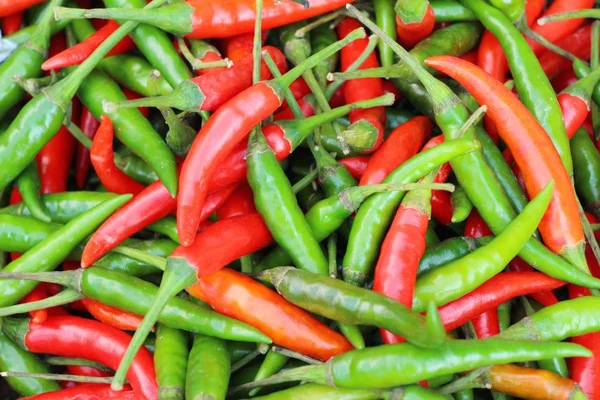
<point x="39" y="293"/>
<point x="12" y="23"/>
<point x="241" y="202"/>
<point x="563" y="80"/>
<point x="546" y="298"/>
<point x="578" y="43"/>
<point x="471" y="56"/>
<point x="96" y="391"/>
<point x="586" y="370"/>
<point x="402" y="143"/>
<point x="89" y="125"/>
<point x="533" y="151"/>
<point x="576" y="101"/>
<point x="148" y="206"/>
<point x="388" y="87"/>
<point x="306" y="105"/>
<point x="441" y="205"/>
<point x="91" y="340"/>
<point x="402" y="248"/>
<point x="240" y="297"/>
<point x="365" y="88"/>
<point x="11" y="7"/>
<point x="499" y="289"/>
<point x="356" y="165"/>
<point x="112" y="316"/>
<point x="411" y="34"/>
<point x="299" y="89"/>
<point x="240" y="46"/>
<point x="84" y="370"/>
<point x="103" y="160"/>
<point x="81" y="51"/>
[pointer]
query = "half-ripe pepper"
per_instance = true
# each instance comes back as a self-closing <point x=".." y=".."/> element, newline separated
<point x="83" y="338"/>
<point x="533" y="151"/>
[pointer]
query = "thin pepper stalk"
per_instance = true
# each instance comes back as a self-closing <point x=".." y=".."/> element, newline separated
<point x="585" y="13"/>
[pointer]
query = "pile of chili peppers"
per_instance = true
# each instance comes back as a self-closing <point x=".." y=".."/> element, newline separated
<point x="299" y="199"/>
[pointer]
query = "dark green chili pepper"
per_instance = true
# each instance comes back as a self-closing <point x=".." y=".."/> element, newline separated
<point x="333" y="176"/>
<point x="136" y="295"/>
<point x="135" y="167"/>
<point x="532" y="83"/>
<point x="386" y="19"/>
<point x="25" y="62"/>
<point x="170" y="361"/>
<point x="461" y="205"/>
<point x="166" y="226"/>
<point x="321" y="37"/>
<point x="156" y="46"/>
<point x="401" y="364"/>
<point x="464" y="394"/>
<point x="308" y="196"/>
<point x="322" y="392"/>
<point x="277" y="204"/>
<point x="54" y="249"/>
<point x="340" y="301"/>
<point x="431" y="238"/>
<point x="451" y="11"/>
<point x="504" y="315"/>
<point x="208" y="369"/>
<point x="14" y="358"/>
<point x="449" y="250"/>
<point x="586" y="161"/>
<point x="239" y="350"/>
<point x="28" y="184"/>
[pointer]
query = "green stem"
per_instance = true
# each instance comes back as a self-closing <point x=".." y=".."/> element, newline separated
<point x="472" y="380"/>
<point x="318" y="22"/>
<point x="62" y="298"/>
<point x="54" y="360"/>
<point x="586" y="13"/>
<point x="57" y="377"/>
<point x="198" y="64"/>
<point x="527" y="31"/>
<point x="260" y="349"/>
<point x="291" y="100"/>
<point x="70" y="279"/>
<point x="81" y="137"/>
<point x="139" y="255"/>
<point x="257" y="44"/>
<point x="305" y="181"/>
<point x="297" y="356"/>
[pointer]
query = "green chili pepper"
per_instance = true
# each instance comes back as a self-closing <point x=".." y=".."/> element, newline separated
<point x="464" y="394"/>
<point x="504" y="315"/>
<point x="431" y="238"/>
<point x="333" y="176"/>
<point x="402" y="364"/>
<point x="272" y="364"/>
<point x="170" y="361"/>
<point x="451" y="11"/>
<point x="513" y="9"/>
<point x="208" y="370"/>
<point x="449" y="250"/>
<point x="586" y="160"/>
<point x="239" y="350"/>
<point x="386" y="19"/>
<point x="54" y="249"/>
<point x="461" y="205"/>
<point x="28" y="184"/>
<point x="135" y="167"/>
<point x="25" y="62"/>
<point x="14" y="358"/>
<point x="459" y="277"/>
<point x="322" y="392"/>
<point x="166" y="226"/>
<point x="21" y="36"/>
<point x="321" y="37"/>
<point x="349" y="304"/>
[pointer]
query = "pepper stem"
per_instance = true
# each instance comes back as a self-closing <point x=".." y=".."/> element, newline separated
<point x="57" y="377"/>
<point x="64" y="297"/>
<point x="139" y="255"/>
<point x="292" y="354"/>
<point x="291" y="100"/>
<point x="472" y="380"/>
<point x="70" y="279"/>
<point x="527" y="31"/>
<point x="585" y="13"/>
<point x="305" y="181"/>
<point x="318" y="22"/>
<point x="309" y="373"/>
<point x="198" y="64"/>
<point x="260" y="349"/>
<point x="178" y="276"/>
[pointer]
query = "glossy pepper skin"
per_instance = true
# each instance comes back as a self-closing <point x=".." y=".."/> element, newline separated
<point x="232" y="293"/>
<point x="88" y="391"/>
<point x="89" y="125"/>
<point x="209" y="369"/>
<point x="533" y="151"/>
<point x="171" y="360"/>
<point x="449" y="250"/>
<point x="78" y="337"/>
<point x="411" y="33"/>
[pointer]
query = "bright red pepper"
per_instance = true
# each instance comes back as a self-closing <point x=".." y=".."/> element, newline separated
<point x="12" y="23"/>
<point x="112" y="316"/>
<point x="441" y="206"/>
<point x="306" y="105"/>
<point x="578" y="43"/>
<point x="241" y="202"/>
<point x="563" y="80"/>
<point x="89" y="125"/>
<point x="546" y="298"/>
<point x="356" y="165"/>
<point x="87" y="392"/>
<point x="86" y="371"/>
<point x="14" y="6"/>
<point x="411" y="34"/>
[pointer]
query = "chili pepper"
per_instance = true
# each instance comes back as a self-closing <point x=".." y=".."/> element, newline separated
<point x="546" y="298"/>
<point x="200" y="20"/>
<point x="335" y="299"/>
<point x="150" y="205"/>
<point x="441" y="206"/>
<point x="385" y="16"/>
<point x="171" y="361"/>
<point x="320" y="38"/>
<point x="407" y="139"/>
<point x="135" y="295"/>
<point x="28" y="183"/>
<point x="9" y="8"/>
<point x="491" y="258"/>
<point x="23" y="35"/>
<point x="449" y="250"/>
<point x="406" y="363"/>
<point x="209" y="91"/>
<point x="205" y="53"/>
<point x="241" y="202"/>
<point x="218" y="137"/>
<point x="461" y="206"/>
<point x="230" y="292"/>
<point x="102" y="159"/>
<point x="12" y="23"/>
<point x="497" y="290"/>
<point x="272" y="364"/>
<point x="89" y="125"/>
<point x="209" y="368"/>
<point x="78" y="53"/>
<point x="78" y="337"/>
<point x="55" y="248"/>
<point x="412" y="31"/>
<point x="315" y="391"/>
<point x="89" y="391"/>
<point x="361" y="89"/>
<point x="581" y="71"/>
<point x="13" y="358"/>
<point x="451" y="11"/>
<point x="356" y="165"/>
<point x="578" y="43"/>
<point x="112" y="316"/>
<point x="576" y="100"/>
<point x="586" y="160"/>
<point x="25" y="61"/>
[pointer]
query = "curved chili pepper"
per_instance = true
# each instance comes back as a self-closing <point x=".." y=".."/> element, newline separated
<point x="586" y="159"/>
<point x="561" y="227"/>
<point x="78" y="53"/>
<point x="356" y="165"/>
<point x="241" y="202"/>
<point x="441" y="205"/>
<point x="361" y="89"/>
<point x="411" y="33"/>
<point x="402" y="143"/>
<point x="29" y="186"/>
<point x="208" y="358"/>
<point x="197" y="19"/>
<point x="576" y="100"/>
<point x="231" y="293"/>
<point x="449" y="250"/>
<point x="219" y="136"/>
<point x="578" y="43"/>
<point x="89" y="125"/>
<point x="171" y="360"/>
<point x="112" y="316"/>
<point x="499" y="289"/>
<point x="102" y="157"/>
<point x="211" y="90"/>
<point x="11" y="23"/>
<point x="88" y="339"/>
<point x="545" y="298"/>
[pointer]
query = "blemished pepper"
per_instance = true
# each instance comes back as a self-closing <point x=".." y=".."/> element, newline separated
<point x="340" y="301"/>
<point x="209" y="369"/>
<point x="401" y="364"/>
<point x="170" y="361"/>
